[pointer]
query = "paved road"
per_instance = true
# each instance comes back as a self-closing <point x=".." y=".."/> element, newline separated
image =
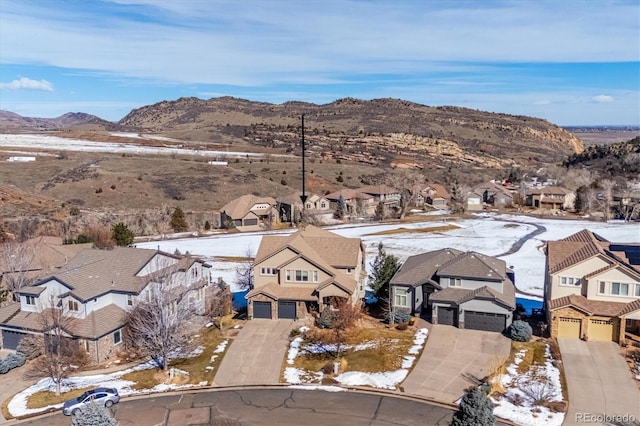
<point x="256" y="353"/>
<point x="454" y="359"/>
<point x="282" y="406"/>
<point x="599" y="381"/>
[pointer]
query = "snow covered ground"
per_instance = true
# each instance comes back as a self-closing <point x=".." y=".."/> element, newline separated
<point x="518" y="403"/>
<point x="18" y="405"/>
<point x="490" y="234"/>
<point x="381" y="380"/>
<point x="66" y="144"/>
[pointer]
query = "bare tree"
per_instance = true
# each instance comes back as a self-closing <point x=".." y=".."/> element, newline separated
<point x="344" y="316"/>
<point x="220" y="305"/>
<point x="155" y="324"/>
<point x="459" y="196"/>
<point x="244" y="271"/>
<point x="58" y="351"/>
<point x="409" y="183"/>
<point x="607" y="197"/>
<point x="15" y="262"/>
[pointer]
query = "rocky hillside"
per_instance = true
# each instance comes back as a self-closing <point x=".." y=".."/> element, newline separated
<point x="619" y="159"/>
<point x="380" y="132"/>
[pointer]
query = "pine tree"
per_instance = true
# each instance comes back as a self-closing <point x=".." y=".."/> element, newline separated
<point x="178" y="222"/>
<point x="475" y="409"/>
<point x="93" y="414"/>
<point x="207" y="225"/>
<point x="341" y="208"/>
<point x="122" y="235"/>
<point x="383" y="268"/>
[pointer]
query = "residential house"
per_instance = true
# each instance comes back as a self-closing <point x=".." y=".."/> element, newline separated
<point x="290" y="208"/>
<point x="494" y="194"/>
<point x="463" y="289"/>
<point x="436" y="196"/>
<point x="356" y="203"/>
<point x="551" y="198"/>
<point x="96" y="288"/>
<point x="250" y="213"/>
<point x="473" y="202"/>
<point x="383" y="193"/>
<point x="301" y="274"/>
<point x="592" y="288"/>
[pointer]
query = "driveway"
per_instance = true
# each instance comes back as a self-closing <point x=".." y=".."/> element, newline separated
<point x="599" y="381"/>
<point x="256" y="354"/>
<point x="454" y="359"/>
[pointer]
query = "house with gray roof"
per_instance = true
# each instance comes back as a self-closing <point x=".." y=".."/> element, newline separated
<point x="96" y="288"/>
<point x="463" y="289"/>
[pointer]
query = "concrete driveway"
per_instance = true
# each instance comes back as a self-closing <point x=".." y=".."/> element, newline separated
<point x="256" y="354"/>
<point x="453" y="359"/>
<point x="599" y="381"/>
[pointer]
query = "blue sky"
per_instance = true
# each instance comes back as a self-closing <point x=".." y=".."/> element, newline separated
<point x="570" y="62"/>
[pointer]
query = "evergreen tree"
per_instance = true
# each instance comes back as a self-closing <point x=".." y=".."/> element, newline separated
<point x="341" y="208"/>
<point x="178" y="222"/>
<point x="207" y="225"/>
<point x="383" y="268"/>
<point x="475" y="409"/>
<point x="93" y="414"/>
<point x="122" y="235"/>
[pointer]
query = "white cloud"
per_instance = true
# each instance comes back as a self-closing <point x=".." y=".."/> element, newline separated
<point x="29" y="84"/>
<point x="603" y="98"/>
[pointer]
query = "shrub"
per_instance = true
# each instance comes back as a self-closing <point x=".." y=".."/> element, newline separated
<point x="402" y="326"/>
<point x="475" y="409"/>
<point x="74" y="211"/>
<point x="399" y="317"/>
<point x="122" y="235"/>
<point x="93" y="414"/>
<point x="520" y="331"/>
<point x="99" y="190"/>
<point x="326" y="319"/>
<point x="207" y="225"/>
<point x="12" y="361"/>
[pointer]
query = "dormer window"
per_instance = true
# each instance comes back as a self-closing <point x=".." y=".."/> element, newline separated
<point x="268" y="271"/>
<point x="73" y="305"/>
<point x="129" y="300"/>
<point x="31" y="300"/>
<point x="455" y="282"/>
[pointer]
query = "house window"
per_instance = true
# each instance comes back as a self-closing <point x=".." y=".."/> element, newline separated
<point x="31" y="300"/>
<point x="563" y="280"/>
<point x="302" y="275"/>
<point x="637" y="290"/>
<point x="602" y="287"/>
<point x="86" y="346"/>
<point x="323" y="205"/>
<point x="400" y="297"/>
<point x="620" y="289"/>
<point x="129" y="300"/>
<point x="349" y="270"/>
<point x="268" y="271"/>
<point x="73" y="305"/>
<point x="288" y="275"/>
<point x="194" y="272"/>
<point x="315" y="276"/>
<point x="117" y="337"/>
<point x="455" y="282"/>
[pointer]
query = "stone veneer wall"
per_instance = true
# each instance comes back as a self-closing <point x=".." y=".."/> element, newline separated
<point x="104" y="347"/>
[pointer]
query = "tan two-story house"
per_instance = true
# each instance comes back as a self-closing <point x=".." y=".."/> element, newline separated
<point x="301" y="274"/>
<point x="592" y="288"/>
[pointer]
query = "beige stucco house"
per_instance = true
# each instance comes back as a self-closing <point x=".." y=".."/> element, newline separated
<point x="299" y="274"/>
<point x="250" y="213"/>
<point x="592" y="288"/>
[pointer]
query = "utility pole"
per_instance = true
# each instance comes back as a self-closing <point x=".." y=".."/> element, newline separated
<point x="303" y="197"/>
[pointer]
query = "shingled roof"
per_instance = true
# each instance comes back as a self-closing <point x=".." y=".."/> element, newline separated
<point x="460" y="295"/>
<point x="421" y="268"/>
<point x="584" y="245"/>
<point x="474" y="265"/>
<point x="588" y="306"/>
<point x="239" y="207"/>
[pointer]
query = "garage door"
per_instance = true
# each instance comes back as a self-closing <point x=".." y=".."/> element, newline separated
<point x="600" y="330"/>
<point x="447" y="316"/>
<point x="11" y="339"/>
<point x="262" y="310"/>
<point x="250" y="222"/>
<point x="569" y="327"/>
<point x="287" y="309"/>
<point x="486" y="321"/>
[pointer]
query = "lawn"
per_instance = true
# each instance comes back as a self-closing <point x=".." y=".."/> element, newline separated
<point x="367" y="351"/>
<point x="201" y="368"/>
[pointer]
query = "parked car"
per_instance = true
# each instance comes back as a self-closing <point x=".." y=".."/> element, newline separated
<point x="102" y="396"/>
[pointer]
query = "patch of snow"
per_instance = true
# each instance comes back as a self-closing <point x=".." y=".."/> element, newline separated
<point x="221" y="347"/>
<point x="384" y="380"/>
<point x="319" y="387"/>
<point x="518" y="404"/>
<point x="209" y="324"/>
<point x="294" y="349"/>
